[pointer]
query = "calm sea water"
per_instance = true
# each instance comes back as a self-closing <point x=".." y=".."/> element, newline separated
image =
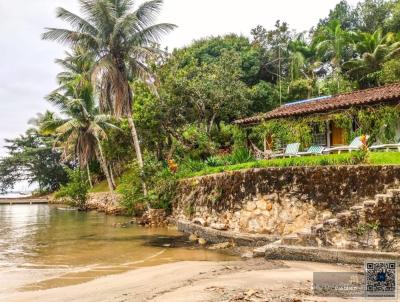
<point x="43" y="246"/>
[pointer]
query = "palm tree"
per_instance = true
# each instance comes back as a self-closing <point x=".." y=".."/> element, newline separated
<point x="81" y="131"/>
<point x="299" y="54"/>
<point x="332" y="43"/>
<point x="373" y="51"/>
<point x="121" y="40"/>
<point x="333" y="46"/>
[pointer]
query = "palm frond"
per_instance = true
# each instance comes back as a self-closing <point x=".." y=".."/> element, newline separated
<point x="70" y="37"/>
<point x="150" y="35"/>
<point x="148" y="11"/>
<point x="76" y="21"/>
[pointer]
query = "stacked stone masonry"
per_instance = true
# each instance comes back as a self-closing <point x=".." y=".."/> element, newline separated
<point x="322" y="206"/>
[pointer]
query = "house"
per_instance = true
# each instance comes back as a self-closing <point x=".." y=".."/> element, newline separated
<point x="326" y="107"/>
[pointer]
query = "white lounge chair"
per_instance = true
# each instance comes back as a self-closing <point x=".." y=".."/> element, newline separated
<point x="313" y="150"/>
<point x="291" y="150"/>
<point x="386" y="147"/>
<point x="355" y="145"/>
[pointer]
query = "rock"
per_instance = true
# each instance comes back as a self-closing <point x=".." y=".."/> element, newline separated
<point x="193" y="238"/>
<point x="251" y="205"/>
<point x="153" y="218"/>
<point x="260" y="251"/>
<point x="199" y="221"/>
<point x="268" y="206"/>
<point x="202" y="241"/>
<point x="247" y="255"/>
<point x="105" y="202"/>
<point x="261" y="204"/>
<point x="220" y="246"/>
<point x="219" y="226"/>
<point x="326" y="215"/>
<point x="254" y="225"/>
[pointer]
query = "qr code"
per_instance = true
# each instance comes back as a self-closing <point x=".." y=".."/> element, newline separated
<point x="380" y="279"/>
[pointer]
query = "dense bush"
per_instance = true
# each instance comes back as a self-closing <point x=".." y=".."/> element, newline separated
<point x="160" y="182"/>
<point x="76" y="190"/>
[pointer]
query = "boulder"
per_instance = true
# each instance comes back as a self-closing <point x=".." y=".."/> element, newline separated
<point x="202" y="241"/>
<point x="219" y="226"/>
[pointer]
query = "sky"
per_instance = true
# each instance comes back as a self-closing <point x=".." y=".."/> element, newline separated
<point x="27" y="69"/>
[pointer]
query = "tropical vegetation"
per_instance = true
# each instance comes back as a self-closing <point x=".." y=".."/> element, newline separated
<point x="137" y="117"/>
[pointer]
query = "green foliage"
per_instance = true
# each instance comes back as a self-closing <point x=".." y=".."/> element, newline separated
<point x="239" y="155"/>
<point x="264" y="97"/>
<point x="380" y="123"/>
<point x="300" y="89"/>
<point x="130" y="188"/>
<point x="285" y="131"/>
<point x="196" y="143"/>
<point x="76" y="190"/>
<point x="228" y="136"/>
<point x="161" y="186"/>
<point x="366" y="228"/>
<point x="31" y="158"/>
<point x="375" y="49"/>
<point x="390" y="72"/>
<point x="353" y="158"/>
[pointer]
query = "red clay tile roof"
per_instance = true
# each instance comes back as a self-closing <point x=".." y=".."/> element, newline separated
<point x="388" y="93"/>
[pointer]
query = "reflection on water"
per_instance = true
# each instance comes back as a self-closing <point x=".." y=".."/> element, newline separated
<point x="42" y="246"/>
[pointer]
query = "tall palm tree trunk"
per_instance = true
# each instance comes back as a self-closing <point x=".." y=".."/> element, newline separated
<point x="138" y="151"/>
<point x="89" y="176"/>
<point x="112" y="175"/>
<point x="103" y="164"/>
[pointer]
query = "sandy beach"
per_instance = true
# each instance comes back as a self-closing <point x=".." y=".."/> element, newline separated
<point x="251" y="280"/>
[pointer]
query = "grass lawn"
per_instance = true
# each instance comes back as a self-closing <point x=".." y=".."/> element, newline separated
<point x="374" y="158"/>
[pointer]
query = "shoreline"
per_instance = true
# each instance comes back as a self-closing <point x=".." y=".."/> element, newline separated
<point x="191" y="281"/>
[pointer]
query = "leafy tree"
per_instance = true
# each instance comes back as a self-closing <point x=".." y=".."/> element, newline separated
<point x="263" y="97"/>
<point x="203" y="92"/>
<point x="344" y="13"/>
<point x="274" y="43"/>
<point x="392" y="24"/>
<point x="372" y="14"/>
<point x="121" y="40"/>
<point x="31" y="158"/>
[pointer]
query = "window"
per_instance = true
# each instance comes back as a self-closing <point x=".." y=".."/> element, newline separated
<point x="318" y="135"/>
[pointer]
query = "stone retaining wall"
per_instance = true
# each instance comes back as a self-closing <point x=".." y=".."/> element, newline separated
<point x="105" y="202"/>
<point x="278" y="201"/>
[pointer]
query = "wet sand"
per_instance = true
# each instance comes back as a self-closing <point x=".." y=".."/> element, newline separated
<point x="187" y="281"/>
